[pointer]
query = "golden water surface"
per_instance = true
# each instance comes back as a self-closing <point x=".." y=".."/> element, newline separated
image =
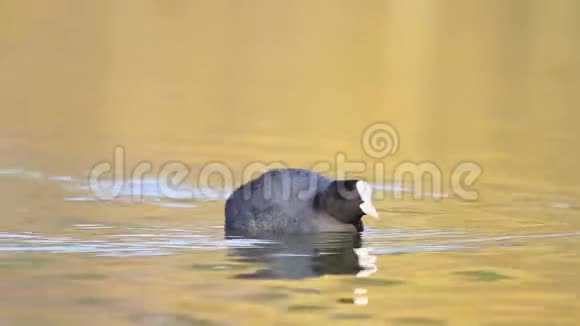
<point x="492" y="82"/>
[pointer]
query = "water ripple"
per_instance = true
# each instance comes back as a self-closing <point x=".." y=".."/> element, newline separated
<point x="151" y="241"/>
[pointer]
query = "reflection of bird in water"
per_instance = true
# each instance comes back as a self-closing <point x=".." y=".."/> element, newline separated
<point x="367" y="262"/>
<point x="304" y="256"/>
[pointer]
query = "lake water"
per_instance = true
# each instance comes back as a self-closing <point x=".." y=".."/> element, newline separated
<point x="493" y="83"/>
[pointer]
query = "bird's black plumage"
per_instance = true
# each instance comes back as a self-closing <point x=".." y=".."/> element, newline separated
<point x="294" y="201"/>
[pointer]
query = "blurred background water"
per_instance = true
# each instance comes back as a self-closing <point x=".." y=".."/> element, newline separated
<point x="492" y="82"/>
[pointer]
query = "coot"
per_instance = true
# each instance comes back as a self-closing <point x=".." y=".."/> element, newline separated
<point x="298" y="201"/>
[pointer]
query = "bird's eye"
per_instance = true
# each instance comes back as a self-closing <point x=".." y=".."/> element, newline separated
<point x="349" y="185"/>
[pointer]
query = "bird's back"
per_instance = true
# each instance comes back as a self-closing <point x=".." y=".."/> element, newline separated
<point x="277" y="201"/>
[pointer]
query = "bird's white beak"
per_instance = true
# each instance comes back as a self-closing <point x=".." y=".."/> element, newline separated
<point x="366" y="193"/>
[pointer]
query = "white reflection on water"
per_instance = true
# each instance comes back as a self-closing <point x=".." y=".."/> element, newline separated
<point x="148" y="191"/>
<point x="150" y="241"/>
<point x="125" y="241"/>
